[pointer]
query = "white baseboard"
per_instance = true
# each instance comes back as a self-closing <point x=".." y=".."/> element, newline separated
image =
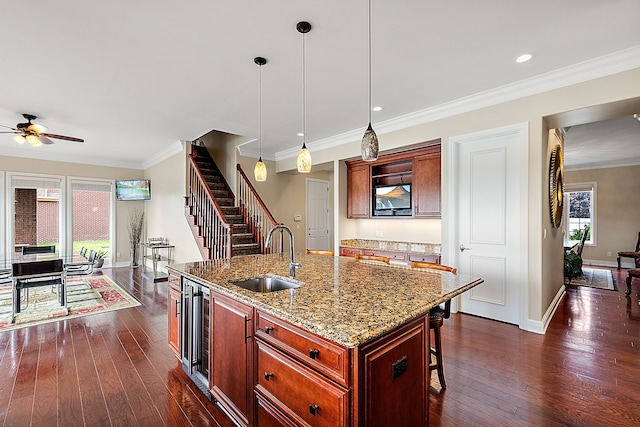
<point x="540" y="327"/>
<point x="611" y="264"/>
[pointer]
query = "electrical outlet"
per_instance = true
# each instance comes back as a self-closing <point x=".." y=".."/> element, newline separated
<point x="118" y="255"/>
<point x="608" y="253"/>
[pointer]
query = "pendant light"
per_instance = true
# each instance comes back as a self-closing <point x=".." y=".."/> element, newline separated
<point x="260" y="171"/>
<point x="369" y="146"/>
<point x="304" y="157"/>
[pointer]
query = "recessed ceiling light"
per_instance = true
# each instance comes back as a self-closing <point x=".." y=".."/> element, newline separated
<point x="300" y="134"/>
<point x="377" y="108"/>
<point x="524" y="58"/>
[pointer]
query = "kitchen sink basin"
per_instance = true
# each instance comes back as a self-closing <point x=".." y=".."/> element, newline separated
<point x="266" y="284"/>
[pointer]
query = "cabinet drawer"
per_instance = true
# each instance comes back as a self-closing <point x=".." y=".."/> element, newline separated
<point x="323" y="355"/>
<point x="300" y="392"/>
<point x="398" y="256"/>
<point x="175" y="281"/>
<point x="433" y="259"/>
<point x="270" y="416"/>
<point x="344" y="251"/>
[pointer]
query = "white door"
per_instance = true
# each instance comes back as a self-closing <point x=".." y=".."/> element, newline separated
<point x="317" y="214"/>
<point x="491" y="223"/>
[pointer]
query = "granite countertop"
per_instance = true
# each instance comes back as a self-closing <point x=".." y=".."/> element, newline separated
<point x="392" y="245"/>
<point x="342" y="299"/>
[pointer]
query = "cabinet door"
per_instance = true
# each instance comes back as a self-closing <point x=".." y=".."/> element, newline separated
<point x="397" y="256"/>
<point x="175" y="307"/>
<point x="426" y="185"/>
<point x="175" y="302"/>
<point x="231" y="357"/>
<point x="358" y="191"/>
<point x="395" y="378"/>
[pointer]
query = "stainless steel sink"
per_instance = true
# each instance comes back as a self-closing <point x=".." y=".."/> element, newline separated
<point x="266" y="284"/>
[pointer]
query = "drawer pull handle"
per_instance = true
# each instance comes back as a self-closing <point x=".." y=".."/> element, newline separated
<point x="268" y="375"/>
<point x="313" y="353"/>
<point x="313" y="409"/>
<point x="268" y="329"/>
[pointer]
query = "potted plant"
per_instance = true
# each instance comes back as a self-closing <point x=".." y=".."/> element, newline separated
<point x="572" y="265"/>
<point x="100" y="256"/>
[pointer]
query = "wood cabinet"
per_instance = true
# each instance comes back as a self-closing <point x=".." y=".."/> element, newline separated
<point x="231" y="355"/>
<point x="420" y="167"/>
<point x="427" y="185"/>
<point x="175" y="301"/>
<point x="394" y="255"/>
<point x="358" y="191"/>
<point x="347" y="251"/>
<point x="395" y="378"/>
<point x="301" y="376"/>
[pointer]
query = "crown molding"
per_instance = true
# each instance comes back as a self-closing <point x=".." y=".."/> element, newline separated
<point x="245" y="151"/>
<point x="59" y="157"/>
<point x="603" y="66"/>
<point x="171" y="150"/>
<point x="603" y="165"/>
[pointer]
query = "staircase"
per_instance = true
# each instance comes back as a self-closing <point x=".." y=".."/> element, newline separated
<point x="223" y="226"/>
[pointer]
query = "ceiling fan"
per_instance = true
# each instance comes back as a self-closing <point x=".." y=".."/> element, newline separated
<point x="35" y="134"/>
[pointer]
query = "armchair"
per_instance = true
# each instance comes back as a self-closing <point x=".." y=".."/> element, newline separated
<point x="635" y="254"/>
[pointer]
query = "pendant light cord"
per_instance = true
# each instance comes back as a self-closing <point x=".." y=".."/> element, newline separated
<point x="260" y="131"/>
<point x="369" y="61"/>
<point x="304" y="94"/>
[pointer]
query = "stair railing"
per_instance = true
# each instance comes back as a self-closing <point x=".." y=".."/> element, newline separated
<point x="253" y="210"/>
<point x="209" y="216"/>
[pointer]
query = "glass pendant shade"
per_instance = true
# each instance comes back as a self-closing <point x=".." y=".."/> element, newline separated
<point x="260" y="171"/>
<point x="19" y="139"/>
<point x="304" y="160"/>
<point x="369" y="146"/>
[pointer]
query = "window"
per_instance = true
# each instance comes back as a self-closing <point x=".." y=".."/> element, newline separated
<point x="580" y="210"/>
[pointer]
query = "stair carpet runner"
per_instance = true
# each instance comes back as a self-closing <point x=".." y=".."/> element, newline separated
<point x="242" y="242"/>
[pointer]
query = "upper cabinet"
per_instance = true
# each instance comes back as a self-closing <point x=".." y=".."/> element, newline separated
<point x="402" y="184"/>
<point x="358" y="190"/>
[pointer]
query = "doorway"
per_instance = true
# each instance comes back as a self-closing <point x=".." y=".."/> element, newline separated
<point x="317" y="214"/>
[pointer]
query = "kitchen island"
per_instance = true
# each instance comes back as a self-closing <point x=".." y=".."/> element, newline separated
<point x="349" y="346"/>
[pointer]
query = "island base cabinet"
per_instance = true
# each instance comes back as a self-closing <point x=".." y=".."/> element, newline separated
<point x="175" y="301"/>
<point x="270" y="416"/>
<point x="299" y="392"/>
<point x="231" y="357"/>
<point x="395" y="378"/>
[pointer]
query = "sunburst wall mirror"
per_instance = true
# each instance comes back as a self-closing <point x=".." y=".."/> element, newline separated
<point x="556" y="178"/>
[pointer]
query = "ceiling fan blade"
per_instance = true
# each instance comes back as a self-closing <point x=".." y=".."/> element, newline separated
<point x="9" y="127"/>
<point x="14" y="132"/>
<point x="66" y="138"/>
<point x="44" y="140"/>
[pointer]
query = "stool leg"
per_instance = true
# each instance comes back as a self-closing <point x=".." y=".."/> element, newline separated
<point x="438" y="354"/>
<point x="628" y="285"/>
<point x="618" y="262"/>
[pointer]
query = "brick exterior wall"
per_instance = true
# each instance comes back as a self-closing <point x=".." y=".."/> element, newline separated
<point x="25" y="220"/>
<point x="37" y="219"/>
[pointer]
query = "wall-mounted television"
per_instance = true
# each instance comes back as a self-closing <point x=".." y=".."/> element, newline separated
<point x="133" y="189"/>
<point x="392" y="200"/>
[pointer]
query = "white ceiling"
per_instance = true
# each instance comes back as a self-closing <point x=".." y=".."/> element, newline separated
<point x="134" y="77"/>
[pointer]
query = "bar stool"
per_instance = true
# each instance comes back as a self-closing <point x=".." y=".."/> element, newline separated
<point x="376" y="258"/>
<point x="436" y="320"/>
<point x="319" y="252"/>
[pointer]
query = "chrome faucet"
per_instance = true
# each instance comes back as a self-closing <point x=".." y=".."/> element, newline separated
<point x="292" y="264"/>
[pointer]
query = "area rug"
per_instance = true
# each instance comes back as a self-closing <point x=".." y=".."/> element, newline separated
<point x="85" y="295"/>
<point x="595" y="278"/>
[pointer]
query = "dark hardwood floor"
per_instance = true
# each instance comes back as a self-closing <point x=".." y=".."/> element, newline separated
<point x="116" y="368"/>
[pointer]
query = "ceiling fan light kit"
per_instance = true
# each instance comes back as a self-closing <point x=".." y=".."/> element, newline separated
<point x="35" y="134"/>
<point x="260" y="171"/>
<point x="304" y="157"/>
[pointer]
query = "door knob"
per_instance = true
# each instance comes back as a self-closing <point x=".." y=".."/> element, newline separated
<point x="463" y="248"/>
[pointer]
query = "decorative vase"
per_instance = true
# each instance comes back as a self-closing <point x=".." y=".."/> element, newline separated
<point x="98" y="263"/>
<point x="134" y="255"/>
